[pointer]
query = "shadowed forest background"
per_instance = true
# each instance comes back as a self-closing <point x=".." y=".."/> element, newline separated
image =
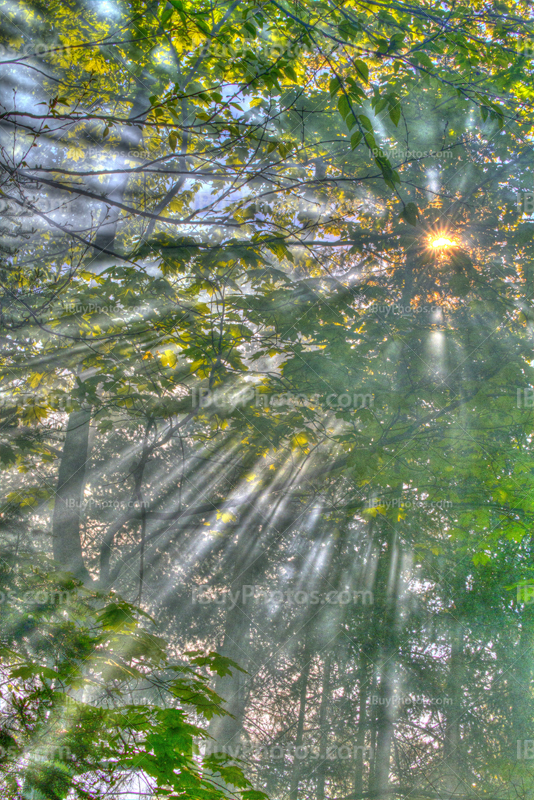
<point x="266" y="375"/>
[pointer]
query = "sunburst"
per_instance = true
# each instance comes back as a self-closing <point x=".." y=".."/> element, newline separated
<point x="442" y="242"/>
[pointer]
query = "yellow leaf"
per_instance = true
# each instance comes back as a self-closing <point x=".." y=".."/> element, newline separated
<point x="35" y="379"/>
<point x="372" y="512"/>
<point x="34" y="414"/>
<point x="168" y="359"/>
<point x="226" y="516"/>
<point x="75" y="153"/>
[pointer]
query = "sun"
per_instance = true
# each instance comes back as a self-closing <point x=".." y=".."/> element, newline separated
<point x="442" y="242"/>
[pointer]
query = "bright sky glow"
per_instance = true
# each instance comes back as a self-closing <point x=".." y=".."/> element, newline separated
<point x="443" y="242"/>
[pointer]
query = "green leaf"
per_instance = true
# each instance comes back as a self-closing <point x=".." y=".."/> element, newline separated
<point x="7" y="455"/>
<point x="334" y="86"/>
<point x="222" y="665"/>
<point x="116" y="616"/>
<point x="395" y="113"/>
<point x="410" y="213"/>
<point x="370" y="141"/>
<point x="423" y="59"/>
<point x="344" y="107"/>
<point x="355" y="139"/>
<point x="362" y="69"/>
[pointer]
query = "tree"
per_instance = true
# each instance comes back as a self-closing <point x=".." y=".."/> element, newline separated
<point x="252" y="347"/>
<point x="91" y="698"/>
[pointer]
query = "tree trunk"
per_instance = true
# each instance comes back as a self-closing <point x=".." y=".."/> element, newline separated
<point x="303" y="695"/>
<point x="451" y="752"/>
<point x="362" y="723"/>
<point x="323" y="709"/>
<point x="385" y="721"/>
<point x="68" y="506"/>
<point x="236" y="645"/>
<point x="226" y="730"/>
